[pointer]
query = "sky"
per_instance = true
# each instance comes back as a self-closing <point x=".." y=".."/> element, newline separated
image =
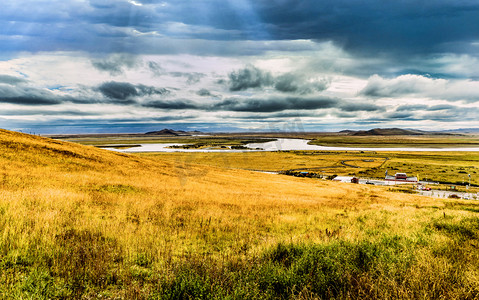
<point x="99" y="66"/>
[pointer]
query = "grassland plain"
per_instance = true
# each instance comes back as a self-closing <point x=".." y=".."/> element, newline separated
<point x="396" y="141"/>
<point x="447" y="167"/>
<point x="80" y="222"/>
<point x="384" y="141"/>
<point x="324" y="139"/>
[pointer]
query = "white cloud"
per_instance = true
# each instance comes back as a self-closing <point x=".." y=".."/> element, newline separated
<point x="135" y="3"/>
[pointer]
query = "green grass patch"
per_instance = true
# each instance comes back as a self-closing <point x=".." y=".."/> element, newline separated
<point x="466" y="229"/>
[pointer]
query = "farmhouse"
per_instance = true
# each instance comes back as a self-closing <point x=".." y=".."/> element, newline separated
<point x="400" y="178"/>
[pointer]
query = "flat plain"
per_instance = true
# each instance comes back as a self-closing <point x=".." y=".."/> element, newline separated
<point x="81" y="222"/>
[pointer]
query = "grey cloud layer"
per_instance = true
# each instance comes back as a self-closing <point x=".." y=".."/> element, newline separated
<point x="420" y="86"/>
<point x="116" y="63"/>
<point x="375" y="25"/>
<point x="173" y="104"/>
<point x="372" y="26"/>
<point x="249" y="77"/>
<point x="11" y="80"/>
<point x="27" y="96"/>
<point x="417" y="113"/>
<point x="123" y="93"/>
<point x="401" y="37"/>
<point x="252" y="77"/>
<point x="127" y="91"/>
<point x="275" y="104"/>
<point x="266" y="105"/>
<point x="249" y="105"/>
<point x="15" y="90"/>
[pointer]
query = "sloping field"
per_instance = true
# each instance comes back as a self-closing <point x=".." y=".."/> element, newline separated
<point x="81" y="222"/>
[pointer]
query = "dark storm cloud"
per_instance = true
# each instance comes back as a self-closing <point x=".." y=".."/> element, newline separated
<point x="412" y="107"/>
<point x="353" y="106"/>
<point x="116" y="63"/>
<point x="118" y="90"/>
<point x="269" y="105"/>
<point x="48" y="113"/>
<point x="375" y="25"/>
<point x="274" y="104"/>
<point x="126" y="91"/>
<point x="401" y="115"/>
<point x="27" y="96"/>
<point x="11" y="80"/>
<point x="286" y="83"/>
<point x="173" y="104"/>
<point x="285" y="115"/>
<point x="121" y="93"/>
<point x="367" y="27"/>
<point x="293" y="83"/>
<point x="442" y="107"/>
<point x="249" y="77"/>
<point x="253" y="77"/>
<point x="133" y="121"/>
<point x="29" y="100"/>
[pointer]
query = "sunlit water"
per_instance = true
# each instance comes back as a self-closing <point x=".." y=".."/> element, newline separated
<point x="280" y="145"/>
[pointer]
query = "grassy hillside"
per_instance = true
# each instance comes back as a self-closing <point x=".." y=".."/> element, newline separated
<point x="80" y="222"/>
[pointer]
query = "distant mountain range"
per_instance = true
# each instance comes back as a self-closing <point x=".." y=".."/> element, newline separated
<point x="171" y="132"/>
<point x="463" y="130"/>
<point x="392" y="131"/>
<point x="371" y="132"/>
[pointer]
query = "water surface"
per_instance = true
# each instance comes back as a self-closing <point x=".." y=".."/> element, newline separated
<point x="282" y="145"/>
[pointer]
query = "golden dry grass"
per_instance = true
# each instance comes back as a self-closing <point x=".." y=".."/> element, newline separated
<point x="76" y="221"/>
<point x="318" y="161"/>
<point x="447" y="167"/>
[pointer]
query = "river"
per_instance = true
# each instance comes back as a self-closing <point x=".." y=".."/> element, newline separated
<point x="281" y="145"/>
